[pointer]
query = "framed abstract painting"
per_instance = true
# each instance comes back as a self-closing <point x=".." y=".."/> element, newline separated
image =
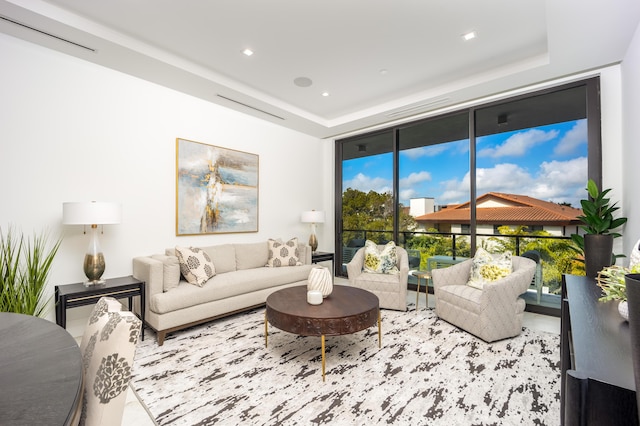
<point x="216" y="189"/>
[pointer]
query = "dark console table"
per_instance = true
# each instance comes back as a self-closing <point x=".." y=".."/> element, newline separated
<point x="597" y="382"/>
<point x="73" y="295"/>
<point x="322" y="256"/>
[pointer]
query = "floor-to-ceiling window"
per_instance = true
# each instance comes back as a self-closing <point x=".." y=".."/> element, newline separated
<point x="435" y="185"/>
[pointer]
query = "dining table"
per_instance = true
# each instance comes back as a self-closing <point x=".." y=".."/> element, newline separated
<point x="40" y="372"/>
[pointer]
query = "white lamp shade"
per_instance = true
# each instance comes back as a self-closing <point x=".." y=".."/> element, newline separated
<point x="312" y="216"/>
<point x="91" y="213"/>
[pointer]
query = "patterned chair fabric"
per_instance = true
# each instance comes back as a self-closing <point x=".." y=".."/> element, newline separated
<point x="493" y="313"/>
<point x="391" y="289"/>
<point x="108" y="348"/>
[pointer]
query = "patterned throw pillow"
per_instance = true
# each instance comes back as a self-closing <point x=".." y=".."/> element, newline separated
<point x="283" y="254"/>
<point x="486" y="268"/>
<point x="380" y="262"/>
<point x="195" y="265"/>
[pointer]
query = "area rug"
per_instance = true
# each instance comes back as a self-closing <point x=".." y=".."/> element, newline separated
<point x="427" y="372"/>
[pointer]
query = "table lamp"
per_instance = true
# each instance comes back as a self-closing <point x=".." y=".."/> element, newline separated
<point x="313" y="217"/>
<point x="92" y="213"/>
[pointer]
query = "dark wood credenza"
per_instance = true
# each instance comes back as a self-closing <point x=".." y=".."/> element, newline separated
<point x="597" y="381"/>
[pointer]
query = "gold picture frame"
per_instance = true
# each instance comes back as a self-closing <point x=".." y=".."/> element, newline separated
<point x="217" y="189"/>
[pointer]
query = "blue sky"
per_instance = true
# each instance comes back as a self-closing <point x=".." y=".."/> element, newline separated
<point x="548" y="162"/>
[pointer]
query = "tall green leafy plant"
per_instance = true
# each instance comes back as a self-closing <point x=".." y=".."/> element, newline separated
<point x="25" y="264"/>
<point x="598" y="213"/>
<point x="597" y="217"/>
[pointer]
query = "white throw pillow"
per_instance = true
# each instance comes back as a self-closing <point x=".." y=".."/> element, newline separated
<point x="196" y="265"/>
<point x="487" y="268"/>
<point x="283" y="254"/>
<point x="380" y="261"/>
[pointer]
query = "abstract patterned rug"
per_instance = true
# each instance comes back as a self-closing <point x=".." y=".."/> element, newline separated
<point x="426" y="373"/>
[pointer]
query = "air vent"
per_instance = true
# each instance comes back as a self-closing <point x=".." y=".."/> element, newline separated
<point x="418" y="107"/>
<point x="249" y="106"/>
<point x="4" y="18"/>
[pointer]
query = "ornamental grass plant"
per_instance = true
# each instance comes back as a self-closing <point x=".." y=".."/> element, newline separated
<point x="25" y="263"/>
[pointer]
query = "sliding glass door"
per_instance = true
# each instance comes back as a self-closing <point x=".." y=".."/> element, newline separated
<point x="503" y="176"/>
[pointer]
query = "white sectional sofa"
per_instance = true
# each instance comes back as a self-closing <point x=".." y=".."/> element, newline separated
<point x="241" y="282"/>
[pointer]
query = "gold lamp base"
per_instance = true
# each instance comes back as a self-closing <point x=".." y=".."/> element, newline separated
<point x="94" y="264"/>
<point x="313" y="242"/>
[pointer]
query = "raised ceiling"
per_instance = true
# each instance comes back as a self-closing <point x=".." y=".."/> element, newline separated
<point x="378" y="60"/>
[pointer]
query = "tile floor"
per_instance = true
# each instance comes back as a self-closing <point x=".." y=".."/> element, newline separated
<point x="136" y="414"/>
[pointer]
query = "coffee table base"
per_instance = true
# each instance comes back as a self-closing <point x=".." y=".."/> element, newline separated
<point x="322" y="339"/>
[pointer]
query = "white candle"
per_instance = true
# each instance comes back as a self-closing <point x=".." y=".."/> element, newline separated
<point x="314" y="297"/>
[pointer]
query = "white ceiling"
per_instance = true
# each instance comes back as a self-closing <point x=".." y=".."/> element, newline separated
<point x="379" y="60"/>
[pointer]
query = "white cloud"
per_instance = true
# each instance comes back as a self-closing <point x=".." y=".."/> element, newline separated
<point x="505" y="177"/>
<point x="415" y="179"/>
<point x="406" y="195"/>
<point x="455" y="192"/>
<point x="425" y="151"/>
<point x="555" y="181"/>
<point x="365" y="183"/>
<point x="519" y="144"/>
<point x="572" y="139"/>
<point x="561" y="181"/>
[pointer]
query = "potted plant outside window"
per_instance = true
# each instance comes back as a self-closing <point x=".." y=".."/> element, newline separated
<point x="599" y="223"/>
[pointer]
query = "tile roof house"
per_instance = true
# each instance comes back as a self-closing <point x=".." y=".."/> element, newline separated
<point x="495" y="209"/>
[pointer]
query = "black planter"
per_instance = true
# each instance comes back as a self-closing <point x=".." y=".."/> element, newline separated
<point x="598" y="252"/>
<point x="632" y="281"/>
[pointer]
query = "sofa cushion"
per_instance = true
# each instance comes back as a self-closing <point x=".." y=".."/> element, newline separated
<point x="283" y="254"/>
<point x="223" y="257"/>
<point x="227" y="285"/>
<point x="196" y="265"/>
<point x="251" y="255"/>
<point x="487" y="268"/>
<point x="380" y="261"/>
<point x="171" y="270"/>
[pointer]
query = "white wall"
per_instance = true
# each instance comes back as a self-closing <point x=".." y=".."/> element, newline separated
<point x="75" y="131"/>
<point x="631" y="142"/>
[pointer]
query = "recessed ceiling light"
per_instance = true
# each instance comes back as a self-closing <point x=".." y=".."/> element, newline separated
<point x="384" y="71"/>
<point x="247" y="52"/>
<point x="469" y="36"/>
<point x="325" y="94"/>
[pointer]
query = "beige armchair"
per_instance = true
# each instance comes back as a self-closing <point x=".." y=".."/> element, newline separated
<point x="391" y="289"/>
<point x="493" y="313"/>
<point x="108" y="349"/>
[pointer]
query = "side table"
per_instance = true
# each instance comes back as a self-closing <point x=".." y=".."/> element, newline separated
<point x="426" y="276"/>
<point x="323" y="256"/>
<point x="73" y="295"/>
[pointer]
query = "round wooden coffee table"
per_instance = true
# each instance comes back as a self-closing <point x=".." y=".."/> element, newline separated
<point x="345" y="311"/>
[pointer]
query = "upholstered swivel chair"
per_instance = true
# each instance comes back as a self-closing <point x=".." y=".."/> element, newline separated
<point x="391" y="289"/>
<point x="108" y="348"/>
<point x="492" y="313"/>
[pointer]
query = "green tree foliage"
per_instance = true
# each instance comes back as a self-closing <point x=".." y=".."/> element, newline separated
<point x="371" y="211"/>
<point x="436" y="244"/>
<point x="557" y="255"/>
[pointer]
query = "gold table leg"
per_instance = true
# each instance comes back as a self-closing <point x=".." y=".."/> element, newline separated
<point x="266" y="329"/>
<point x="417" y="294"/>
<point x="323" y="357"/>
<point x="426" y="292"/>
<point x="379" y="330"/>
